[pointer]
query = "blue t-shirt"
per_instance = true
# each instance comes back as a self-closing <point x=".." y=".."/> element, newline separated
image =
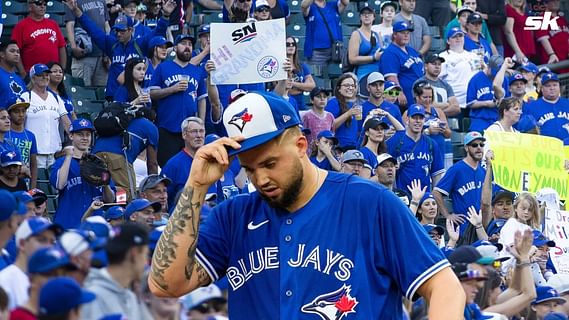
<point x="463" y="185"/>
<point x="300" y="76"/>
<point x="142" y="133"/>
<point x="552" y="118"/>
<point x="417" y="160"/>
<point x="387" y="106"/>
<point x="173" y="109"/>
<point x="480" y="89"/>
<point x="25" y="142"/>
<point x="347" y="134"/>
<point x="11" y="86"/>
<point x="289" y="264"/>
<point x="317" y="35"/>
<point x="324" y="164"/>
<point x="407" y="67"/>
<point x="76" y="197"/>
<point x="370" y="156"/>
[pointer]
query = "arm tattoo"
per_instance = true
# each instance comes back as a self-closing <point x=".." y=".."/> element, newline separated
<point x="183" y="222"/>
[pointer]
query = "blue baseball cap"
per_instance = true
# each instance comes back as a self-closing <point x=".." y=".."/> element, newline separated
<point x="114" y="212"/>
<point x="182" y="37"/>
<point x="547" y="293"/>
<point x="23" y="198"/>
<point x="14" y="102"/>
<point x="495" y="226"/>
<point x="154" y="236"/>
<point x="211" y="138"/>
<point x="159" y="41"/>
<point x="76" y="241"/>
<point x="34" y="226"/>
<point x="38" y="68"/>
<point x="8" y="204"/>
<point x="416" y="109"/>
<point x="203" y="29"/>
<point x="8" y="158"/>
<point x="390" y="85"/>
<point x="549" y="76"/>
<point x="81" y="124"/>
<point x="433" y="227"/>
<point x="425" y="197"/>
<point x="555" y="316"/>
<point x="139" y="205"/>
<point x="471" y="136"/>
<point x="539" y="239"/>
<point x="259" y="117"/>
<point x="529" y="67"/>
<point x="62" y="294"/>
<point x="402" y="26"/>
<point x="516" y="76"/>
<point x="48" y="259"/>
<point x="453" y="32"/>
<point x="123" y="22"/>
<point x="98" y="225"/>
<point x="328" y="135"/>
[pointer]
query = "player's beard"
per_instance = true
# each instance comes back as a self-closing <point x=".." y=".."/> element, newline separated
<point x="290" y="191"/>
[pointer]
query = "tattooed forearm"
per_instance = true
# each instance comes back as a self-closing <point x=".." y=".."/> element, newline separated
<point x="177" y="245"/>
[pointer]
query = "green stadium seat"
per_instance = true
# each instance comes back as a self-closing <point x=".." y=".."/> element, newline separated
<point x="351" y="18"/>
<point x="296" y="30"/>
<point x="457" y="138"/>
<point x="294" y="6"/>
<point x="100" y="93"/>
<point x="51" y="205"/>
<point x="87" y="109"/>
<point x="9" y="20"/>
<point x="15" y="7"/>
<point x="334" y="70"/>
<point x="57" y="18"/>
<point x="80" y="93"/>
<point x="55" y="7"/>
<point x="212" y="18"/>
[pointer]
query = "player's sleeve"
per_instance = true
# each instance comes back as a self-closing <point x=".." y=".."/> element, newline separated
<point x="438" y="164"/>
<point x="398" y="230"/>
<point x="389" y="64"/>
<point x="213" y="241"/>
<point x="447" y="182"/>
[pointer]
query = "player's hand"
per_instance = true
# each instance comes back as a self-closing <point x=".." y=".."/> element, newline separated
<point x="96" y="205"/>
<point x="452" y="230"/>
<point x="456" y="218"/>
<point x="475" y="217"/>
<point x="209" y="66"/>
<point x="169" y="6"/>
<point x="211" y="161"/>
<point x="417" y="192"/>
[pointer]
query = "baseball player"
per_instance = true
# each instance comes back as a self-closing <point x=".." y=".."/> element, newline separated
<point x="308" y="244"/>
<point x="76" y="195"/>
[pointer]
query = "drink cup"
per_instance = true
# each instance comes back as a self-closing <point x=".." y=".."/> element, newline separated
<point x="359" y="115"/>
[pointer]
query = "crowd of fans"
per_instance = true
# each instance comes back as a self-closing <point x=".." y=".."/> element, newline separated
<point x="386" y="118"/>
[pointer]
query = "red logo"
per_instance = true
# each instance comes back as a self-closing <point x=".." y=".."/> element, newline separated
<point x="333" y="305"/>
<point x="240" y="119"/>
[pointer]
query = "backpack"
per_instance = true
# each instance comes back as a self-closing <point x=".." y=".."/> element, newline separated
<point x="115" y="118"/>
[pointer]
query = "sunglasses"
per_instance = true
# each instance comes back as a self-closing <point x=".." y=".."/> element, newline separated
<point x="263" y="9"/>
<point x="291" y="44"/>
<point x="39" y="3"/>
<point x="392" y="93"/>
<point x="476" y="145"/>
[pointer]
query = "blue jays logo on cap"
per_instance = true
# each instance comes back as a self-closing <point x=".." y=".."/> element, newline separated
<point x="259" y="117"/>
<point x="550" y="76"/>
<point x="240" y="119"/>
<point x="81" y="124"/>
<point x="402" y="26"/>
<point x="333" y="305"/>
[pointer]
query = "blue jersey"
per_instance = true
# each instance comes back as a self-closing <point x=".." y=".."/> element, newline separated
<point x="148" y="75"/>
<point x="142" y="133"/>
<point x="476" y="47"/>
<point x="370" y="156"/>
<point x="552" y="118"/>
<point x="480" y="89"/>
<point x="75" y="197"/>
<point x="347" y="134"/>
<point x="417" y="160"/>
<point x="118" y="52"/>
<point x="300" y="76"/>
<point x="407" y="67"/>
<point x="438" y="138"/>
<point x="463" y="185"/>
<point x="25" y="142"/>
<point x="387" y="106"/>
<point x="173" y="109"/>
<point x="317" y="35"/>
<point x="324" y="164"/>
<point x="307" y="263"/>
<point x="8" y="145"/>
<point x="11" y="85"/>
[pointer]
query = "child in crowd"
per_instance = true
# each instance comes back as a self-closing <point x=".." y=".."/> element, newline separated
<point x="391" y="91"/>
<point x="317" y="119"/>
<point x="322" y="154"/>
<point x="526" y="210"/>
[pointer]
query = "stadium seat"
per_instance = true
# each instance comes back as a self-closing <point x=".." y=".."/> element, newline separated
<point x="55" y="7"/>
<point x="437" y="45"/>
<point x="457" y="138"/>
<point x="51" y="205"/>
<point x="87" y="109"/>
<point x="9" y="20"/>
<point x="15" y="7"/>
<point x="334" y="70"/>
<point x="435" y="31"/>
<point x="212" y="18"/>
<point x="351" y="18"/>
<point x="100" y="93"/>
<point x="80" y="93"/>
<point x="296" y="19"/>
<point x="57" y="18"/>
<point x="296" y="30"/>
<point x="294" y="6"/>
<point x="453" y="123"/>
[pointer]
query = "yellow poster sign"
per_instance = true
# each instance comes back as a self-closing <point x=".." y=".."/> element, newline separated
<point x="527" y="162"/>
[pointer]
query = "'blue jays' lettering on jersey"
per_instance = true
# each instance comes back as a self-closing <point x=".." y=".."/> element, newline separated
<point x="173" y="109"/>
<point x="463" y="185"/>
<point x="407" y="67"/>
<point x="417" y="160"/>
<point x="480" y="89"/>
<point x="552" y="118"/>
<point x="76" y="197"/>
<point x="329" y="259"/>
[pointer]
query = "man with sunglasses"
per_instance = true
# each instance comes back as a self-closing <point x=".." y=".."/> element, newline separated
<point x="39" y="39"/>
<point x="120" y="45"/>
<point x="463" y="181"/>
<point x="88" y="65"/>
<point x="262" y="10"/>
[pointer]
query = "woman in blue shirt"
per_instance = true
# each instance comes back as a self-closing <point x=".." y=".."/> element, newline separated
<point x="347" y="117"/>
<point x="57" y="86"/>
<point x="364" y="46"/>
<point x="131" y="91"/>
<point x="301" y="78"/>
